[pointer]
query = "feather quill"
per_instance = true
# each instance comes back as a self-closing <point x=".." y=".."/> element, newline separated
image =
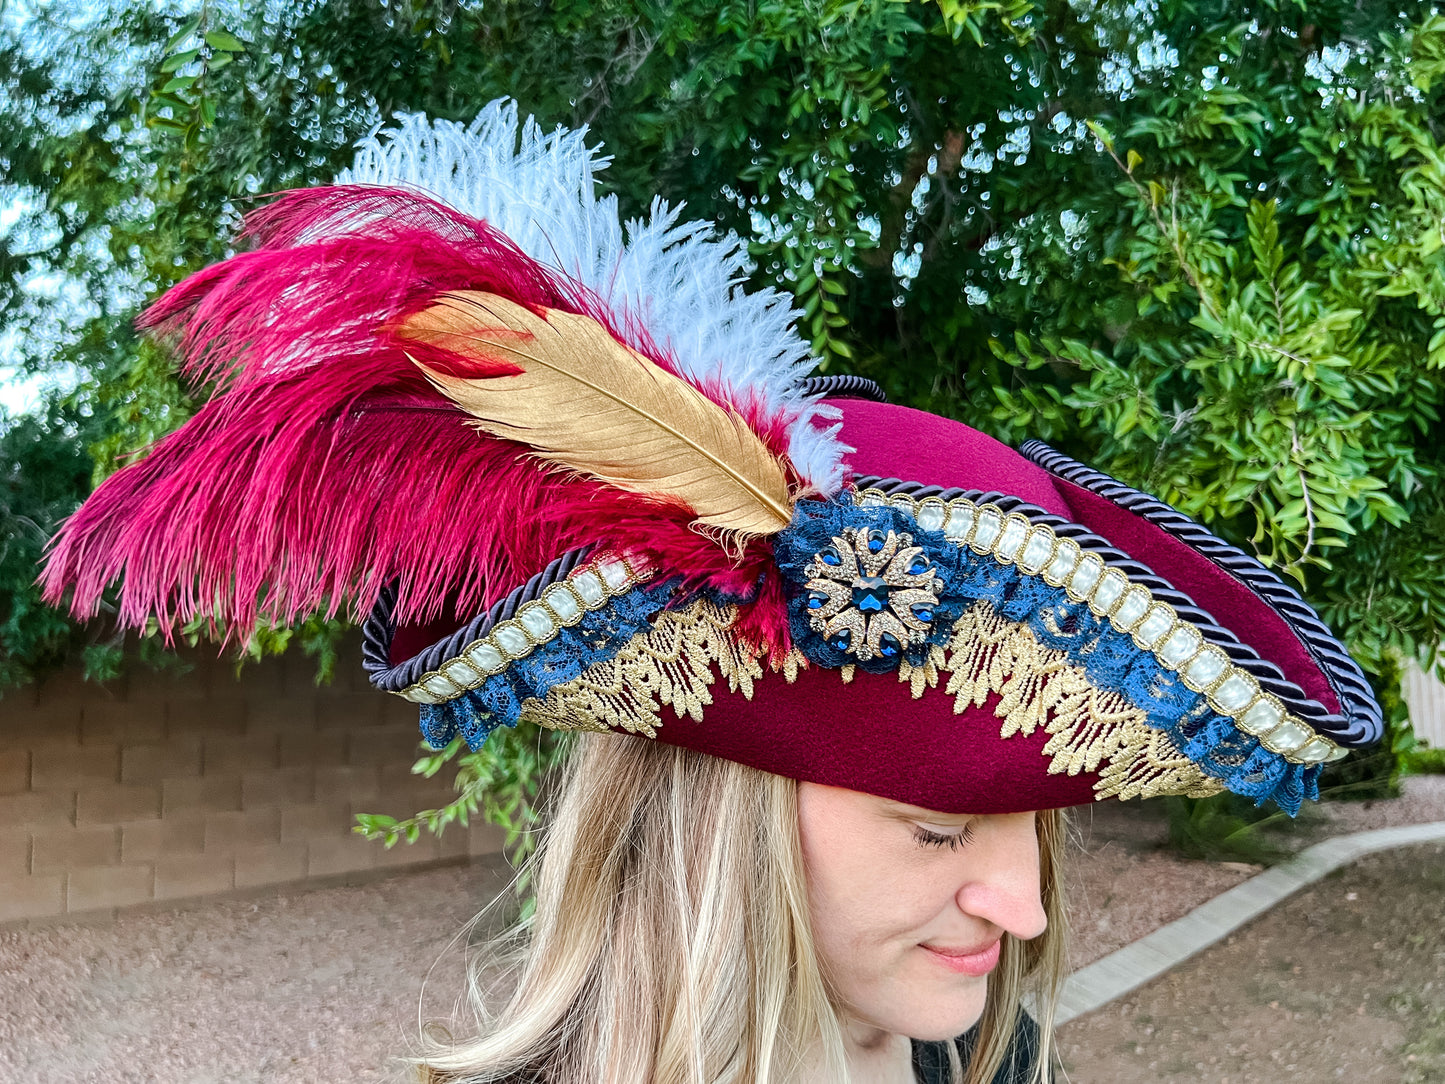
<point x="560" y="383"/>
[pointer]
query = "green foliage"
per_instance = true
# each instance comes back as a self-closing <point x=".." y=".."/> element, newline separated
<point x="503" y="782"/>
<point x="1423" y="760"/>
<point x="1194" y="242"/>
<point x="44" y="471"/>
<point x="1260" y="350"/>
<point x="1375" y="773"/>
<point x="1225" y="828"/>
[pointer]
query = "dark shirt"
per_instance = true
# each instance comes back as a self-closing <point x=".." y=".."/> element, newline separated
<point x="930" y="1060"/>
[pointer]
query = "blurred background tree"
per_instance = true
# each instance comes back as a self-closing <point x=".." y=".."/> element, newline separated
<point x="1197" y="243"/>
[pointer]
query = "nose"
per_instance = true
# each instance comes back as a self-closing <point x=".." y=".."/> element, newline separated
<point x="1002" y="882"/>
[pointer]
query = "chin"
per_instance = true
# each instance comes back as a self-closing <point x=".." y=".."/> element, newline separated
<point x="943" y="1016"/>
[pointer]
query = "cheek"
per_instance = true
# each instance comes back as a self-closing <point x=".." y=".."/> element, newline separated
<point x="867" y="936"/>
<point x="871" y="911"/>
<point x="863" y="934"/>
<point x="870" y="902"/>
<point x="878" y="904"/>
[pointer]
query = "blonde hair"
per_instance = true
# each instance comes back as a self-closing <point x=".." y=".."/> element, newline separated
<point x="671" y="941"/>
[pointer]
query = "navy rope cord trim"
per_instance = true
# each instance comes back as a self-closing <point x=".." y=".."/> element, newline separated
<point x="380" y="628"/>
<point x="844" y="386"/>
<point x="1365" y="722"/>
<point x="1271" y="679"/>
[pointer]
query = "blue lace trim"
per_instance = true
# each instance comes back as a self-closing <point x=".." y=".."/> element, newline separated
<point x="815" y="525"/>
<point x="498" y="701"/>
<point x="1111" y="659"/>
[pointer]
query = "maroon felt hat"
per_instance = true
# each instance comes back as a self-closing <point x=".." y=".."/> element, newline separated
<point x="1070" y="650"/>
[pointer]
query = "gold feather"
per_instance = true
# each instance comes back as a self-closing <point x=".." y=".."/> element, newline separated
<point x="587" y="402"/>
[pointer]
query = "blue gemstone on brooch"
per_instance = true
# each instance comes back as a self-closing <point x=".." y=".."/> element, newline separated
<point x="870" y="594"/>
<point x="888" y="645"/>
<point x="842" y="640"/>
<point x="830" y="556"/>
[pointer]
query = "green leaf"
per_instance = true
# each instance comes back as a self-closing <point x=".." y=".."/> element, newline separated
<point x="225" y="42"/>
<point x="189" y="27"/>
<point x="179" y="60"/>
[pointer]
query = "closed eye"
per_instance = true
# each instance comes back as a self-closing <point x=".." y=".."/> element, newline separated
<point x="925" y="837"/>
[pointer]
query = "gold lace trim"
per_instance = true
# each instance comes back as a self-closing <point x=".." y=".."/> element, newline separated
<point x="1089" y="730"/>
<point x="670" y="664"/>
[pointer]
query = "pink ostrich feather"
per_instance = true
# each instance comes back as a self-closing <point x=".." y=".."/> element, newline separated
<point x="325" y="466"/>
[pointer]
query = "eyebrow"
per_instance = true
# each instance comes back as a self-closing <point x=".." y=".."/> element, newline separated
<point x="914" y="812"/>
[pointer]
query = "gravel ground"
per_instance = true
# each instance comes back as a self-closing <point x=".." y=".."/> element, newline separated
<point x="330" y="984"/>
<point x="1344" y="981"/>
<point x="1122" y="884"/>
<point x="320" y="985"/>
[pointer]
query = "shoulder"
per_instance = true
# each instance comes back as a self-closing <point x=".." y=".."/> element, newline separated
<point x="930" y="1059"/>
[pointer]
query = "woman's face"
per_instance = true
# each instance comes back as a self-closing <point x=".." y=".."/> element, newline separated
<point x="908" y="906"/>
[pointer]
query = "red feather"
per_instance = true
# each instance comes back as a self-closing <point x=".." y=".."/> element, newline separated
<point x="326" y="466"/>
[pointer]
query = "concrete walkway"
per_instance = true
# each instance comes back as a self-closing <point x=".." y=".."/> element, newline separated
<point x="1146" y="959"/>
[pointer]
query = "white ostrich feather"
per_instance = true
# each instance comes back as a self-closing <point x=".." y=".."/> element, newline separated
<point x="672" y="281"/>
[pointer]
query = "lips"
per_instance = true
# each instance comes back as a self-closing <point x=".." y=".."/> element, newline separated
<point x="966" y="961"/>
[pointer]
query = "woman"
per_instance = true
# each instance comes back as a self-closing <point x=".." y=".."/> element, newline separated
<point x="855" y="657"/>
<point x="804" y="932"/>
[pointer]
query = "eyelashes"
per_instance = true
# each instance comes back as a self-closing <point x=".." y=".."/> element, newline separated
<point x="924" y="838"/>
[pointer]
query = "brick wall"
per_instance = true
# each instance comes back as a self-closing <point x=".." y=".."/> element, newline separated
<point x="160" y="787"/>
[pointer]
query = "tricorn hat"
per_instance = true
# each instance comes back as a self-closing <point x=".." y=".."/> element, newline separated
<point x="570" y="472"/>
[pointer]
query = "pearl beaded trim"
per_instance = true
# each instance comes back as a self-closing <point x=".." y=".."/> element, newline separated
<point x="1012" y="538"/>
<point x="537" y="622"/>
